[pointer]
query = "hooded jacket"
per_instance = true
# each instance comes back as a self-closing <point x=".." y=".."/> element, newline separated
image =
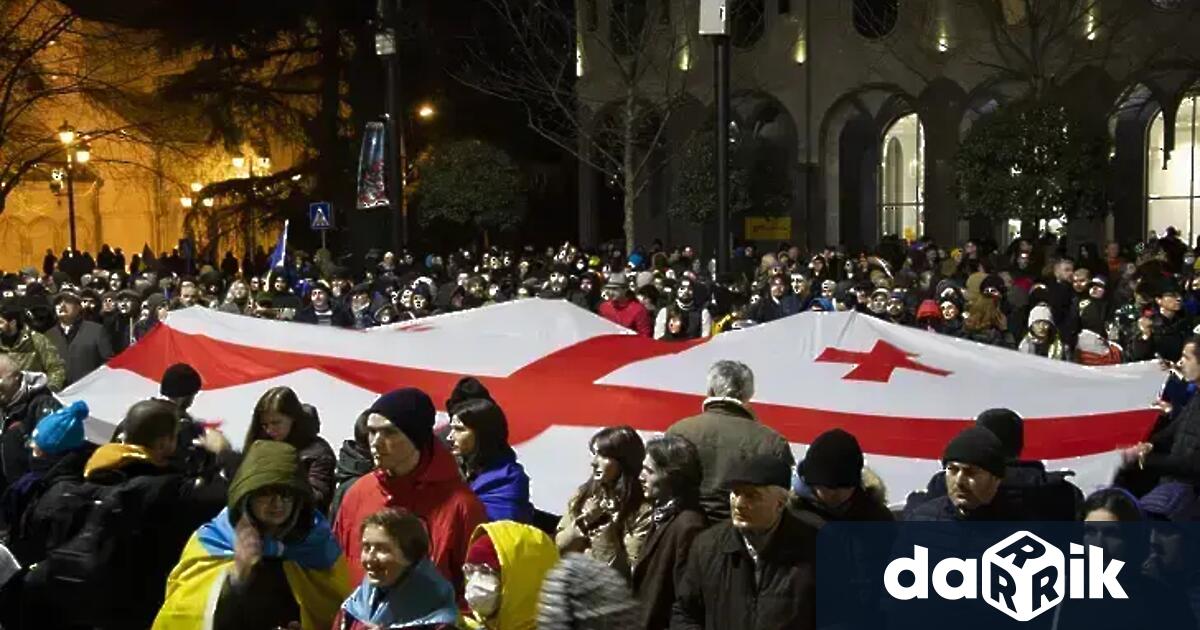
<point x="313" y="569"/>
<point x="34" y="352"/>
<point x="435" y="492"/>
<point x="526" y="555"/>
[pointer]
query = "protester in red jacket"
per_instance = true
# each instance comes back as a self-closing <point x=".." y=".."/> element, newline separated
<point x="415" y="472"/>
<point x="621" y="308"/>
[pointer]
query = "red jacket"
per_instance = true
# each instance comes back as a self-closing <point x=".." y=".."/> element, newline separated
<point x="628" y="313"/>
<point x="435" y="492"/>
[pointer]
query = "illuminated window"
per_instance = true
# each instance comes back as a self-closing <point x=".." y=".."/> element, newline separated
<point x="1174" y="191"/>
<point x="902" y="180"/>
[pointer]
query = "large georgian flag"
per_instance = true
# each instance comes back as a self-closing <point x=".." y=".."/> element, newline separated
<point x="561" y="373"/>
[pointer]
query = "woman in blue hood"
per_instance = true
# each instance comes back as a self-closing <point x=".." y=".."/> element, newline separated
<point x="479" y="441"/>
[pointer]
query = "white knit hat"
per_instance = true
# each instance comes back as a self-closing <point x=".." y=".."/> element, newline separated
<point x="1040" y="313"/>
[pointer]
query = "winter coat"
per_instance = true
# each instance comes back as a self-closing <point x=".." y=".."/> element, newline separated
<point x="421" y="598"/>
<point x="768" y="310"/>
<point x="33" y="352"/>
<point x="352" y="462"/>
<point x="317" y="464"/>
<point x="628" y="313"/>
<point x="504" y="490"/>
<point x="1028" y="490"/>
<point x="33" y="527"/>
<point x="435" y="492"/>
<point x="1176" y="453"/>
<point x="618" y="546"/>
<point x="526" y="555"/>
<point x="31" y="403"/>
<point x="663" y="562"/>
<point x="943" y="509"/>
<point x="170" y="505"/>
<point x="301" y="578"/>
<point x="726" y="432"/>
<point x="339" y="317"/>
<point x="862" y="506"/>
<point x="723" y="588"/>
<point x="85" y="349"/>
<point x="1167" y="338"/>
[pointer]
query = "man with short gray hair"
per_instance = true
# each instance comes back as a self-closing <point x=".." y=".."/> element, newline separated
<point x="727" y="431"/>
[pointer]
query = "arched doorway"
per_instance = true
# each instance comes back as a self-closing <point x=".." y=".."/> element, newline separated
<point x="1173" y="181"/>
<point x="902" y="179"/>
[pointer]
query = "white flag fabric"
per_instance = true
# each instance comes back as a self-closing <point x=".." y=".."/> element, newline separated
<point x="561" y="373"/>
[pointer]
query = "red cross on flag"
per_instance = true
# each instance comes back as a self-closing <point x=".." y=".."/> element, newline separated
<point x="561" y="373"/>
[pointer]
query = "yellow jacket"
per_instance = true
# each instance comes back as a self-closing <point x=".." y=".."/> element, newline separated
<point x="526" y="555"/>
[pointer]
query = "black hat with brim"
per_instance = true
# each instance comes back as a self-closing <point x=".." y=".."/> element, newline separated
<point x="759" y="470"/>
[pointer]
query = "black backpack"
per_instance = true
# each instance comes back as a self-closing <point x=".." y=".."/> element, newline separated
<point x="88" y="578"/>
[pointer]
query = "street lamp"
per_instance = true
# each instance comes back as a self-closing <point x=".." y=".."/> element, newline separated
<point x="249" y="162"/>
<point x="426" y="111"/>
<point x="77" y="153"/>
<point x="197" y="187"/>
<point x="186" y="202"/>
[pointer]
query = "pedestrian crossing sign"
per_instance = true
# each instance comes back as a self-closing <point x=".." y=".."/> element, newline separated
<point x="320" y="216"/>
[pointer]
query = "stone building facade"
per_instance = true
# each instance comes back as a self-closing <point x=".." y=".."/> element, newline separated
<point x="869" y="100"/>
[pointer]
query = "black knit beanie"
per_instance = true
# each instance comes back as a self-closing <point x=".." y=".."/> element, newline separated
<point x="467" y="388"/>
<point x="976" y="446"/>
<point x="1008" y="426"/>
<point x="411" y="411"/>
<point x="833" y="460"/>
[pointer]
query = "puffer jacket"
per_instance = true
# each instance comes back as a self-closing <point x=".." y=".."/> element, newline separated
<point x="34" y="352"/>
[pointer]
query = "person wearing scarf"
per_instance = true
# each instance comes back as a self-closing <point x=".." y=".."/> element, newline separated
<point x="670" y="480"/>
<point x="268" y="560"/>
<point x="401" y="588"/>
<point x="479" y="442"/>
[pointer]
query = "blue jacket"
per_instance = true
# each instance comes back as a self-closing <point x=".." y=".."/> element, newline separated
<point x="504" y="491"/>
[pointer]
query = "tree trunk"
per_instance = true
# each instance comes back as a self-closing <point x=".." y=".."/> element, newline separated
<point x="629" y="176"/>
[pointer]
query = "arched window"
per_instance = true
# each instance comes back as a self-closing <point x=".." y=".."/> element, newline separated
<point x="1173" y="192"/>
<point x="875" y="18"/>
<point x="902" y="180"/>
<point x="747" y="22"/>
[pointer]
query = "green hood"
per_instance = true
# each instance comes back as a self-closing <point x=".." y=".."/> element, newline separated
<point x="267" y="463"/>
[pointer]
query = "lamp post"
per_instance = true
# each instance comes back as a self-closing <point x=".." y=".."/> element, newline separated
<point x="248" y="162"/>
<point x="714" y="23"/>
<point x="77" y="153"/>
<point x="424" y="112"/>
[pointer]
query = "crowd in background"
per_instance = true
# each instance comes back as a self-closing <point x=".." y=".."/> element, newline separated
<point x="712" y="525"/>
<point x="1084" y="304"/>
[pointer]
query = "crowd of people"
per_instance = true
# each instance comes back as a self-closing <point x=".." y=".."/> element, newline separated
<point x="1126" y="303"/>
<point x="711" y="525"/>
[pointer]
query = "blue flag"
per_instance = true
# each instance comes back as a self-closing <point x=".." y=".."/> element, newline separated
<point x="279" y="254"/>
